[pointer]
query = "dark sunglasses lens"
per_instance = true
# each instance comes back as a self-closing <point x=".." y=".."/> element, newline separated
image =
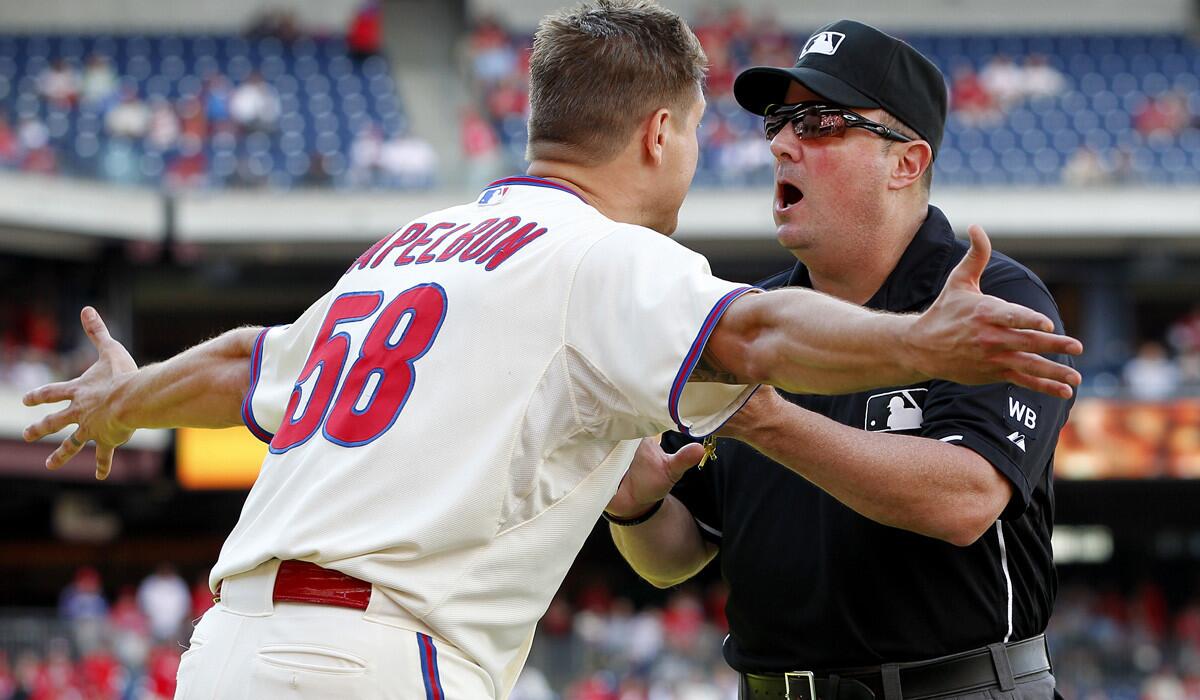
<point x="817" y="126"/>
<point x="806" y="123"/>
<point x="775" y="120"/>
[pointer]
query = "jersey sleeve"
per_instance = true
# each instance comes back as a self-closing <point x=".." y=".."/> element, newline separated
<point x="640" y="311"/>
<point x="279" y="354"/>
<point x="1013" y="428"/>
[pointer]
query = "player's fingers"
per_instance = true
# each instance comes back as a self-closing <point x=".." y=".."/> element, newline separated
<point x="49" y="393"/>
<point x="68" y="449"/>
<point x="1032" y="365"/>
<point x="94" y="326"/>
<point x="1020" y="340"/>
<point x="687" y="457"/>
<point x="104" y="459"/>
<point x="970" y="269"/>
<point x="1039" y="384"/>
<point x="50" y="424"/>
<point x="1003" y="313"/>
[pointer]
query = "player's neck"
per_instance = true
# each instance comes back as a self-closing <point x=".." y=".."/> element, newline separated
<point x="609" y="195"/>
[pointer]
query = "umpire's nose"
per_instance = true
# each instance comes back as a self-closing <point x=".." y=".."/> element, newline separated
<point x="786" y="145"/>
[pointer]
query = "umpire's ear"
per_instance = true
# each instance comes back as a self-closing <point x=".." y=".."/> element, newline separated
<point x="911" y="160"/>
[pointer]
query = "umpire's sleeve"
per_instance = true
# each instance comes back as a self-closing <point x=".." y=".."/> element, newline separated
<point x="1013" y="428"/>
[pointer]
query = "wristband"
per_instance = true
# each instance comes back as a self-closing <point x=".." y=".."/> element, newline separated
<point x="637" y="519"/>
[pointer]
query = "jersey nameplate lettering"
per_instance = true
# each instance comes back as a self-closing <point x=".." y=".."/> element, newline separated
<point x="489" y="243"/>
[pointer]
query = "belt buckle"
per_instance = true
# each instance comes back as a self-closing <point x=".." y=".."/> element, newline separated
<point x="800" y="677"/>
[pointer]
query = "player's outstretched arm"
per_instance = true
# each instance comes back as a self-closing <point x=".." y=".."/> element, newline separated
<point x="201" y="387"/>
<point x="805" y="342"/>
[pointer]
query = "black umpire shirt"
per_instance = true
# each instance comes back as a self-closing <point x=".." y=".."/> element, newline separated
<point x="815" y="586"/>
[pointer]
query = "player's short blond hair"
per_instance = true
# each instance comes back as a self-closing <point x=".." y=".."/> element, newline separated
<point x="599" y="69"/>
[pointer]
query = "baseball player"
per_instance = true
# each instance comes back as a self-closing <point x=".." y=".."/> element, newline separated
<point x="550" y="323"/>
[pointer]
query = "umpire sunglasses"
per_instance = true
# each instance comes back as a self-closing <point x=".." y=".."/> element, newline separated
<point x="815" y="120"/>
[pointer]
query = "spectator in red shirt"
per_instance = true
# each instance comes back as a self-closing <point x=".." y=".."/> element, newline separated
<point x="970" y="100"/>
<point x="101" y="676"/>
<point x="365" y="35"/>
<point x="10" y="148"/>
<point x="1166" y="115"/>
<point x="161" y="669"/>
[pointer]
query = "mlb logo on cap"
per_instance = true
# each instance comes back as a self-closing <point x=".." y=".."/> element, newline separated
<point x="824" y="43"/>
<point x="852" y="64"/>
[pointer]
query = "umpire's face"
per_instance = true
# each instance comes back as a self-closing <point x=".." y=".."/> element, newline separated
<point x="831" y="193"/>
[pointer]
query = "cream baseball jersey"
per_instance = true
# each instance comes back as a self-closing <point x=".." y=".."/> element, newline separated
<point x="449" y="421"/>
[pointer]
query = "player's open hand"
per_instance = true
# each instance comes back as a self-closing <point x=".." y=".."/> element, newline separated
<point x="90" y="407"/>
<point x="971" y="338"/>
<point x="651" y="476"/>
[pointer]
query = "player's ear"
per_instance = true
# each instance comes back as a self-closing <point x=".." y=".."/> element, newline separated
<point x="913" y="158"/>
<point x="654" y="135"/>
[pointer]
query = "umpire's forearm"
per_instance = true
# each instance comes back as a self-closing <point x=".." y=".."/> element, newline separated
<point x="202" y="387"/>
<point x="666" y="549"/>
<point x="913" y="483"/>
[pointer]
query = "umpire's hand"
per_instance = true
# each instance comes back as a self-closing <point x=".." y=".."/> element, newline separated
<point x="651" y="476"/>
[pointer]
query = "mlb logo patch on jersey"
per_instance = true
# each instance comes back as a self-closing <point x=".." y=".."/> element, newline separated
<point x="895" y="410"/>
<point x="492" y="195"/>
<point x="826" y="43"/>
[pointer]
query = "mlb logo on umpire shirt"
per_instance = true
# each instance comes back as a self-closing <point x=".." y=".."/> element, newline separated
<point x="895" y="410"/>
<point x="823" y="42"/>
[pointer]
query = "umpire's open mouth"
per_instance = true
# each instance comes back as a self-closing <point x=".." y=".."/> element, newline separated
<point x="786" y="195"/>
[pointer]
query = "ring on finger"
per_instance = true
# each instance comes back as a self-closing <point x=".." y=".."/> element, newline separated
<point x="76" y="441"/>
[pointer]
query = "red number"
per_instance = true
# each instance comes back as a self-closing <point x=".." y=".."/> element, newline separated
<point x="424" y="307"/>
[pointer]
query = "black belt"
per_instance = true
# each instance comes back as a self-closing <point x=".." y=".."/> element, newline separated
<point x="995" y="665"/>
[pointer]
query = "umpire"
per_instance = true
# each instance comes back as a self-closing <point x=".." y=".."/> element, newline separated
<point x="913" y="559"/>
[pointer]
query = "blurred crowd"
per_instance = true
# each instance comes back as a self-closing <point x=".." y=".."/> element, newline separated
<point x="982" y="100"/>
<point x="1106" y="645"/>
<point x="138" y="139"/>
<point x="1161" y="367"/>
<point x="1019" y="118"/>
<point x="1139" y="420"/>
<point x="124" y="647"/>
<point x="497" y="67"/>
<point x="595" y="645"/>
<point x="213" y="128"/>
<point x="1137" y="646"/>
<point x="30" y="346"/>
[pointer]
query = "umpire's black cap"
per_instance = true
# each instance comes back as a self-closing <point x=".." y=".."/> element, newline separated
<point x="856" y="65"/>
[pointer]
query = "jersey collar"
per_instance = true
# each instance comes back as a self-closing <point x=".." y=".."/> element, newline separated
<point x="529" y="181"/>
